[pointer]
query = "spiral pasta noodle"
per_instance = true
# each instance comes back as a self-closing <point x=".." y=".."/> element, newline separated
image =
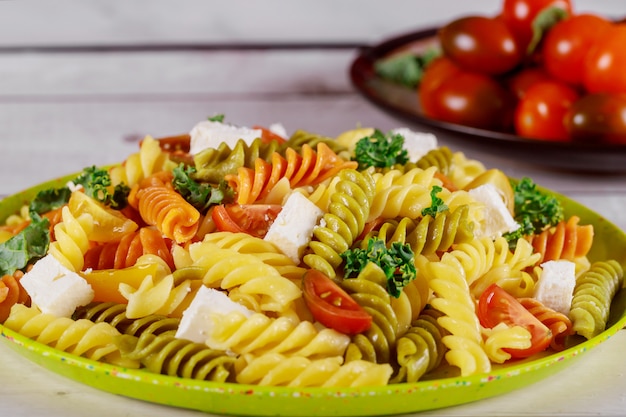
<point x="11" y="293"/>
<point x="592" y="297"/>
<point x="301" y="137"/>
<point x="559" y="324"/>
<point x="72" y="239"/>
<point x="161" y="206"/>
<point x="304" y="168"/>
<point x="79" y="337"/>
<point x="150" y="159"/>
<point x="567" y="240"/>
<point x="259" y="334"/>
<point x="165" y="354"/>
<point x="274" y="369"/>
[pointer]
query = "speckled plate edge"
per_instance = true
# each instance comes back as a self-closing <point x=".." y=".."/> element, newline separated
<point x="238" y="399"/>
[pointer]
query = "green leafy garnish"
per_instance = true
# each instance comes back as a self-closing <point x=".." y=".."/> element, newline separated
<point x="405" y="69"/>
<point x="30" y="243"/>
<point x="380" y="150"/>
<point x="50" y="199"/>
<point x="96" y="183"/>
<point x="200" y="195"/>
<point x="216" y="118"/>
<point x="437" y="206"/>
<point x="534" y="210"/>
<point x="398" y="263"/>
<point x="542" y="23"/>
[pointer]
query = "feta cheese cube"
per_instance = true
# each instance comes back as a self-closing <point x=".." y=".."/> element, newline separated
<point x="292" y="230"/>
<point x="555" y="286"/>
<point x="278" y="129"/>
<point x="54" y="289"/>
<point x="196" y="322"/>
<point x="210" y="134"/>
<point x="417" y="144"/>
<point x="497" y="218"/>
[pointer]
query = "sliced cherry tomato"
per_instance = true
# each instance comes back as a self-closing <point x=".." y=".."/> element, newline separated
<point x="540" y="114"/>
<point x="473" y="99"/>
<point x="496" y="306"/>
<point x="598" y="118"/>
<point x="332" y="306"/>
<point x="268" y="136"/>
<point x="520" y="14"/>
<point x="481" y="44"/>
<point x="604" y="64"/>
<point x="566" y="45"/>
<point x="254" y="219"/>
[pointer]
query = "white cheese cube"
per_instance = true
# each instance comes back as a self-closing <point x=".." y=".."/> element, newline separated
<point x="210" y="134"/>
<point x="292" y="230"/>
<point x="196" y="323"/>
<point x="279" y="129"/>
<point x="417" y="144"/>
<point x="54" y="289"/>
<point x="555" y="286"/>
<point x="497" y="218"/>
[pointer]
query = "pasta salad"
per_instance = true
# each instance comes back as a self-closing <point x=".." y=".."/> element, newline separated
<point x="250" y="256"/>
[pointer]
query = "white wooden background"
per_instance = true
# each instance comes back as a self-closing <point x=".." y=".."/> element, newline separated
<point x="82" y="81"/>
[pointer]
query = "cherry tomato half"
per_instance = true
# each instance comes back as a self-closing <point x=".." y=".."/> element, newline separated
<point x="473" y="99"/>
<point x="520" y="14"/>
<point x="332" y="306"/>
<point x="566" y="45"/>
<point x="496" y="306"/>
<point x="540" y="114"/>
<point x="605" y="62"/>
<point x="481" y="44"/>
<point x="254" y="219"/>
<point x="598" y="118"/>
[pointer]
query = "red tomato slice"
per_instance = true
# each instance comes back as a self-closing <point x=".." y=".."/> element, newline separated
<point x="332" y="306"/>
<point x="254" y="219"/>
<point x="268" y="136"/>
<point x="497" y="306"/>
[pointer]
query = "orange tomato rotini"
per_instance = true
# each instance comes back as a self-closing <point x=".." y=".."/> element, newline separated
<point x="567" y="240"/>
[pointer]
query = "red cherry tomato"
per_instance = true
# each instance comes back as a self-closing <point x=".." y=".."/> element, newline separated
<point x="603" y="71"/>
<point x="520" y="81"/>
<point x="438" y="71"/>
<point x="254" y="219"/>
<point x="520" y="14"/>
<point x="473" y="99"/>
<point x="481" y="44"/>
<point x="540" y="114"/>
<point x="566" y="44"/>
<point x="598" y="118"/>
<point x="496" y="306"/>
<point x="332" y="306"/>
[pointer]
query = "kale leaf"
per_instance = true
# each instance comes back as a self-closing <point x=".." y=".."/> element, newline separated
<point x="96" y="183"/>
<point x="380" y="150"/>
<point x="397" y="261"/>
<point x="30" y="243"/>
<point x="437" y="206"/>
<point x="534" y="210"/>
<point x="405" y="69"/>
<point x="200" y="195"/>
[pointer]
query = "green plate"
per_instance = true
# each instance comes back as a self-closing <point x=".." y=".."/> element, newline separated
<point x="237" y="399"/>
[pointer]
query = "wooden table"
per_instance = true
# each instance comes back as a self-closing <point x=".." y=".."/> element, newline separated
<point x="82" y="82"/>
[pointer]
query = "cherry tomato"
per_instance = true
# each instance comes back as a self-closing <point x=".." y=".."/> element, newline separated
<point x="540" y="114"/>
<point x="473" y="99"/>
<point x="481" y="44"/>
<point x="566" y="44"/>
<point x="268" y="136"/>
<point x="603" y="71"/>
<point x="496" y="306"/>
<point x="332" y="306"/>
<point x="520" y="14"/>
<point x="598" y="118"/>
<point x="254" y="219"/>
<point x="438" y="71"/>
<point x="520" y="81"/>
